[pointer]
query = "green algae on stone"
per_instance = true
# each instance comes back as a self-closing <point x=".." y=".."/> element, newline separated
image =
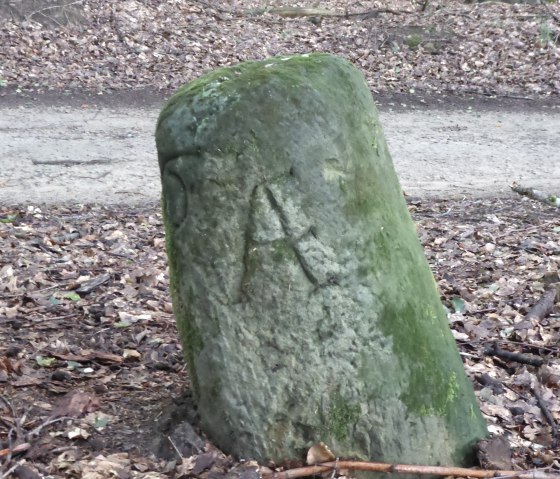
<point x="305" y="305"/>
<point x="342" y="416"/>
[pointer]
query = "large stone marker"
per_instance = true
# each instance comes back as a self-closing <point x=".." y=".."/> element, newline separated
<point x="305" y="304"/>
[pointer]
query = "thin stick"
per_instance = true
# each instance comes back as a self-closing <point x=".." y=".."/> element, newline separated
<point x="544" y="306"/>
<point x="12" y="469"/>
<point x="407" y="469"/>
<point x="15" y="450"/>
<point x="303" y="12"/>
<point x="47" y="422"/>
<point x="175" y="447"/>
<point x="536" y="195"/>
<point x="547" y="414"/>
<point x="550" y="12"/>
<point x="495" y="350"/>
<point x="30" y="15"/>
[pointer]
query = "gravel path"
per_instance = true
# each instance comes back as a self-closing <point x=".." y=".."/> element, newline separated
<point x="53" y="154"/>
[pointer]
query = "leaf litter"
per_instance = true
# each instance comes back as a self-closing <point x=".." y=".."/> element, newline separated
<point x="83" y="380"/>
<point x="488" y="48"/>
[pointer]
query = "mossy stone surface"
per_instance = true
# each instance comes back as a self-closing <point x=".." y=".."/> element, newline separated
<point x="306" y="307"/>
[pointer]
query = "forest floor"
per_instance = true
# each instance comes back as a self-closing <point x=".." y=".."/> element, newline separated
<point x="89" y="357"/>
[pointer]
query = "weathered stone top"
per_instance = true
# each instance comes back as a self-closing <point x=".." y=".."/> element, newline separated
<point x="187" y="116"/>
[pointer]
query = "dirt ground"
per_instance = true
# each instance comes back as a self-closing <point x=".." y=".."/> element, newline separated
<point x="83" y="149"/>
<point x="90" y="362"/>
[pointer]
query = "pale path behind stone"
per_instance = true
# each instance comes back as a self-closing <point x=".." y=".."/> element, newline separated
<point x="59" y="155"/>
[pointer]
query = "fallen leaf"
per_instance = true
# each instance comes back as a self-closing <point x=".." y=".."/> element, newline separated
<point x="75" y="404"/>
<point x="319" y="453"/>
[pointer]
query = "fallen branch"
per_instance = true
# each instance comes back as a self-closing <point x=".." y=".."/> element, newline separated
<point x="47" y="422"/>
<point x="88" y="286"/>
<point x="52" y="7"/>
<point x="12" y="469"/>
<point x="15" y="450"/>
<point x="494" y="350"/>
<point x="536" y="195"/>
<point x="542" y="308"/>
<point x="407" y="469"/>
<point x="548" y="415"/>
<point x="488" y="381"/>
<point x="100" y="161"/>
<point x="499" y="95"/>
<point x="293" y="12"/>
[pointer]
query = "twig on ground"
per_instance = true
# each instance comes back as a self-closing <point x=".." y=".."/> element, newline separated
<point x="64" y="316"/>
<point x="11" y="451"/>
<point x="12" y="469"/>
<point x="293" y="12"/>
<point x="217" y="9"/>
<point x="536" y="195"/>
<point x="488" y="381"/>
<point x="90" y="285"/>
<point x="16" y="421"/>
<point x="42" y="10"/>
<point x="48" y="422"/>
<point x="175" y="447"/>
<point x="499" y="95"/>
<point x="99" y="161"/>
<point x="406" y="469"/>
<point x="550" y="349"/>
<point x="547" y="414"/>
<point x="318" y="12"/>
<point x="527" y="230"/>
<point x="494" y="350"/>
<point x="120" y="35"/>
<point x="542" y="308"/>
<point x="549" y="11"/>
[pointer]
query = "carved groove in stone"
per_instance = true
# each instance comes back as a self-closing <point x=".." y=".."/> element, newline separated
<point x="176" y="199"/>
<point x="276" y="206"/>
<point x="246" y="245"/>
